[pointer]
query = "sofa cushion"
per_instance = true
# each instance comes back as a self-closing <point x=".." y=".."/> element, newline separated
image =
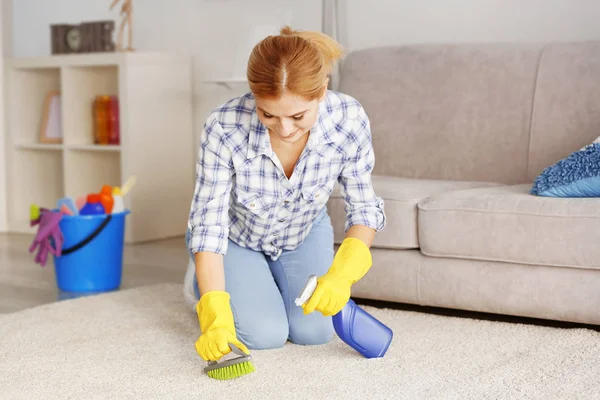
<point x="400" y="196"/>
<point x="448" y="111"/>
<point x="509" y="224"/>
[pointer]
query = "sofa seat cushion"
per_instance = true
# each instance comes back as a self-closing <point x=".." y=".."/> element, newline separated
<point x="508" y="224"/>
<point x="400" y="196"/>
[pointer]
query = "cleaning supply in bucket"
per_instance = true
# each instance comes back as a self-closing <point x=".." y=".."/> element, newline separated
<point x="65" y="204"/>
<point x="119" y="193"/>
<point x="119" y="204"/>
<point x="229" y="368"/>
<point x="80" y="202"/>
<point x="106" y="199"/>
<point x="128" y="185"/>
<point x="65" y="210"/>
<point x="93" y="205"/>
<point x="354" y="326"/>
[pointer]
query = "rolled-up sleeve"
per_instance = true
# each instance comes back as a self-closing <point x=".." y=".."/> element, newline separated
<point x="208" y="223"/>
<point x="362" y="205"/>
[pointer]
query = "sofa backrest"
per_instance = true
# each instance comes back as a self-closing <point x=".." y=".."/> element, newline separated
<point x="485" y="112"/>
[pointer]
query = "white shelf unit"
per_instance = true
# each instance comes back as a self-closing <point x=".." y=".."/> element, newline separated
<point x="156" y="137"/>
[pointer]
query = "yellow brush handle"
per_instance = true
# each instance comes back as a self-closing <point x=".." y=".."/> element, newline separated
<point x="128" y="185"/>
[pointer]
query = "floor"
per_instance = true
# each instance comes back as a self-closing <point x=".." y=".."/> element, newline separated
<point x="25" y="284"/>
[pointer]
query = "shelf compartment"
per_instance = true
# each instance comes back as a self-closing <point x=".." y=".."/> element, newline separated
<point x="39" y="146"/>
<point x="28" y="89"/>
<point x="80" y="86"/>
<point x="36" y="177"/>
<point x="95" y="147"/>
<point x="86" y="171"/>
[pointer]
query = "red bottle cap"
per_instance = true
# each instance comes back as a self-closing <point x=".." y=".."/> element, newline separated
<point x="93" y="198"/>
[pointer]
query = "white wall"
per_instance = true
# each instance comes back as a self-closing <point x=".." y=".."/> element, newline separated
<point x="390" y="22"/>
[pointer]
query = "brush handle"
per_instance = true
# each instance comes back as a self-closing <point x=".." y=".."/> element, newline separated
<point x="243" y="357"/>
<point x="128" y="185"/>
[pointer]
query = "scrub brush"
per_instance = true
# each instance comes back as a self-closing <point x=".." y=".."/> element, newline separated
<point x="230" y="368"/>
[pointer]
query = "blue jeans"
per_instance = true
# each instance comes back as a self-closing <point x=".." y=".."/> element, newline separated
<point x="263" y="291"/>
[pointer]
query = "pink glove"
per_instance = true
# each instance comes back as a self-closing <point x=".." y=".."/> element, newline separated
<point x="47" y="230"/>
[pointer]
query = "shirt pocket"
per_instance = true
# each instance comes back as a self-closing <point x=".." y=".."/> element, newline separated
<point x="317" y="194"/>
<point x="259" y="205"/>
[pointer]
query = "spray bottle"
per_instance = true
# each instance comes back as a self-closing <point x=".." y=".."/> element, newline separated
<point x="354" y="326"/>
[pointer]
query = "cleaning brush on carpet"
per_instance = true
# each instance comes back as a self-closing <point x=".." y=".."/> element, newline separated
<point x="229" y="368"/>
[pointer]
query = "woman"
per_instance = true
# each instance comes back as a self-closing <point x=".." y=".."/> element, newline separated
<point x="258" y="226"/>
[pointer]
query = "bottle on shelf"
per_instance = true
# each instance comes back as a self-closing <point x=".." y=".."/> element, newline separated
<point x="113" y="121"/>
<point x="101" y="132"/>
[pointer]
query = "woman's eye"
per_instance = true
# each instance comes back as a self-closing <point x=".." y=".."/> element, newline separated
<point x="299" y="118"/>
<point x="267" y="116"/>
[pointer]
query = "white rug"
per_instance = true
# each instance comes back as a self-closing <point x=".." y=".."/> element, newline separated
<point x="139" y="343"/>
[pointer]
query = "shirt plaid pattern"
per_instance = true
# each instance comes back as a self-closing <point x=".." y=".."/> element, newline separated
<point x="242" y="193"/>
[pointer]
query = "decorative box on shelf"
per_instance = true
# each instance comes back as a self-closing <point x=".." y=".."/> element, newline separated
<point x="54" y="150"/>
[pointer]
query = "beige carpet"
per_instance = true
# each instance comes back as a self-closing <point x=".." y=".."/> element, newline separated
<point x="138" y="343"/>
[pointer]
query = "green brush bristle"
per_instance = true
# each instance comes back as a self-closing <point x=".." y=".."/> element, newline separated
<point x="232" y="371"/>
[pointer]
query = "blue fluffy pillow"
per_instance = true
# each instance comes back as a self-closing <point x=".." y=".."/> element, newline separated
<point x="578" y="175"/>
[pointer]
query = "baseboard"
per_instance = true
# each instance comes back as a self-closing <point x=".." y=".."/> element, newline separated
<point x="450" y="312"/>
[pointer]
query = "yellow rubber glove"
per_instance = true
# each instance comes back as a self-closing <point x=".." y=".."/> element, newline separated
<point x="216" y="326"/>
<point x="350" y="264"/>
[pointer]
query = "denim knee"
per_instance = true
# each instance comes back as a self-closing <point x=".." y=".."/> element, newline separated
<point x="313" y="331"/>
<point x="263" y="334"/>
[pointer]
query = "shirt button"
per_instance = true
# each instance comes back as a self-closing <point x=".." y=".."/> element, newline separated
<point x="252" y="205"/>
<point x="281" y="220"/>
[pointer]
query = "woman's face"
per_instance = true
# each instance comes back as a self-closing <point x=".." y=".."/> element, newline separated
<point x="288" y="117"/>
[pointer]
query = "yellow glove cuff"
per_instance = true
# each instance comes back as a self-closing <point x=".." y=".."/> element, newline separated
<point x="352" y="260"/>
<point x="214" y="311"/>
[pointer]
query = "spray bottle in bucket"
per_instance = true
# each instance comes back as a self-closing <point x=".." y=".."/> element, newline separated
<point x="357" y="328"/>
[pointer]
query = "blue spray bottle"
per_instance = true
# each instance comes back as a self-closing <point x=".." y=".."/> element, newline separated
<point x="354" y="326"/>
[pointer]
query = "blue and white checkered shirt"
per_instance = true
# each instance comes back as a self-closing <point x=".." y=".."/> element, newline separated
<point x="243" y="194"/>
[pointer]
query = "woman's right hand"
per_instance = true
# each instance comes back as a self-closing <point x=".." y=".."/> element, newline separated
<point x="216" y="326"/>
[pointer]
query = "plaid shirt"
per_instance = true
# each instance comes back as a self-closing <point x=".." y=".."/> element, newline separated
<point x="241" y="192"/>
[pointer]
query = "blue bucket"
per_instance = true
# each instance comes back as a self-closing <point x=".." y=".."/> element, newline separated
<point x="92" y="252"/>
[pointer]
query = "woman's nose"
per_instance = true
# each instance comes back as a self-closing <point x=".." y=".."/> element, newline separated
<point x="287" y="127"/>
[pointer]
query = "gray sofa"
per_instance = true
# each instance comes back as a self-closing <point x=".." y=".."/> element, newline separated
<point x="460" y="132"/>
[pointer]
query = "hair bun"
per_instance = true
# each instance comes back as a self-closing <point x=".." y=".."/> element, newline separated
<point x="286" y="30"/>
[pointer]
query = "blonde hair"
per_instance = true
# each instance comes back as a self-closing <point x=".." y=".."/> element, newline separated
<point x="293" y="61"/>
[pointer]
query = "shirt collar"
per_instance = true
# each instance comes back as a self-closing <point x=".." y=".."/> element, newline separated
<point x="258" y="138"/>
<point x="323" y="130"/>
